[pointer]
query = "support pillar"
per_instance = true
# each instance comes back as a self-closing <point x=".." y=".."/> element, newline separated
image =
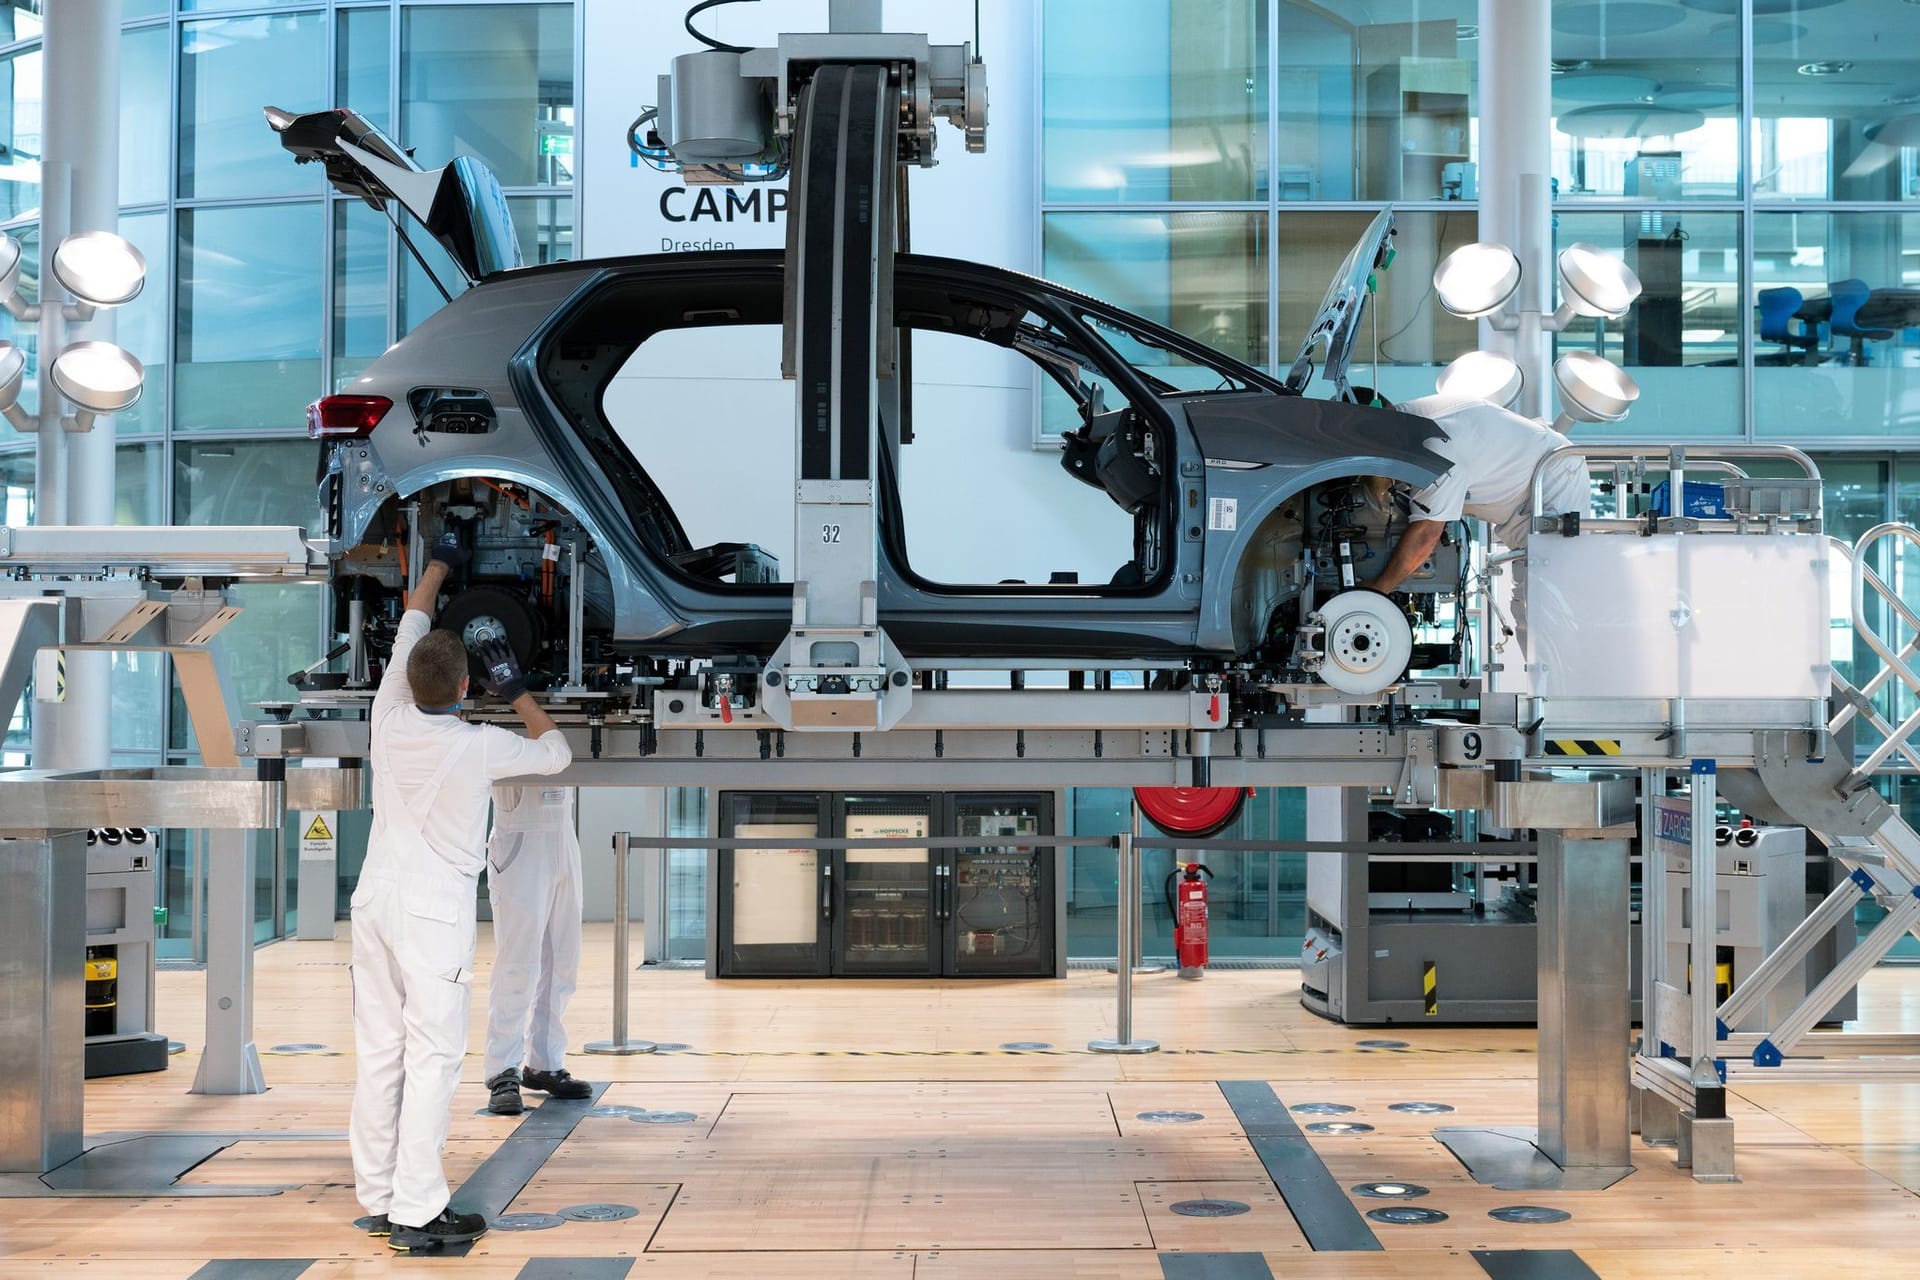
<point x="230" y="1063"/>
<point x="1516" y="106"/>
<point x="1584" y="1008"/>
<point x="43" y="932"/>
<point x="80" y="191"/>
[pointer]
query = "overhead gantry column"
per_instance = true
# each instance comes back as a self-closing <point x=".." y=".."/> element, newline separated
<point x="837" y="669"/>
<point x="73" y="480"/>
<point x="1584" y="1011"/>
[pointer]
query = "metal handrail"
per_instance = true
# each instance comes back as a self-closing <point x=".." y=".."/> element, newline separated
<point x="1896" y="662"/>
<point x="1863" y="695"/>
<point x="1709" y="457"/>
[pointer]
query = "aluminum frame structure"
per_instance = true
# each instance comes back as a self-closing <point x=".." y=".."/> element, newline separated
<point x="1689" y="1054"/>
<point x="1089" y="733"/>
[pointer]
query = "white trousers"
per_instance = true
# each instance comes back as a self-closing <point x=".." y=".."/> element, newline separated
<point x="412" y="988"/>
<point x="533" y="882"/>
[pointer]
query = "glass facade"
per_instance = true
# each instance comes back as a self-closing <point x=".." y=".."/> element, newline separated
<point x="228" y="68"/>
<point x="1169" y="104"/>
<point x="1757" y="164"/>
<point x="1646" y="100"/>
<point x="265" y="289"/>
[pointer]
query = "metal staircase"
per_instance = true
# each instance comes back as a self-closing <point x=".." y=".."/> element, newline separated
<point x="1830" y="791"/>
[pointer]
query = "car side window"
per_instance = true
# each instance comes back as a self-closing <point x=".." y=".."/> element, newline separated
<point x="979" y="504"/>
<point x="705" y="411"/>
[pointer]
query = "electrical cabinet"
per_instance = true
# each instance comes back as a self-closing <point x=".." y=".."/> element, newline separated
<point x="900" y="909"/>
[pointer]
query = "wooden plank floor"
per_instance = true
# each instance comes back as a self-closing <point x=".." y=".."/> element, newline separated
<point x="875" y="1129"/>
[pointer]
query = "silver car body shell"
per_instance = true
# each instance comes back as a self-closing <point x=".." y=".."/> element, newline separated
<point x="484" y="339"/>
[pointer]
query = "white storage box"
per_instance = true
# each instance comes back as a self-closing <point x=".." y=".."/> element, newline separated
<point x="1678" y="616"/>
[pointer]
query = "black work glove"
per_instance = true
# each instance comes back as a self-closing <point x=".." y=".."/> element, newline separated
<point x="449" y="551"/>
<point x="503" y="678"/>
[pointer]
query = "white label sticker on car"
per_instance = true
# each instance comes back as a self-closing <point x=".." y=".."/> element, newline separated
<point x="1223" y="513"/>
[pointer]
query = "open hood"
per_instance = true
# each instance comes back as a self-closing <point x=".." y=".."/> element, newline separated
<point x="1337" y="323"/>
<point x="461" y="205"/>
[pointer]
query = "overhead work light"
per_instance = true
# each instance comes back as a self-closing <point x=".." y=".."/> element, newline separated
<point x="13" y="367"/>
<point x="1592" y="388"/>
<point x="1481" y="280"/>
<point x="1477" y="279"/>
<point x="10" y="281"/>
<point x="1483" y="375"/>
<point x="98" y="270"/>
<point x="97" y="377"/>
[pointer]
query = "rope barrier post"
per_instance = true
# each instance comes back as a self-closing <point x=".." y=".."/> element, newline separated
<point x="1127" y="923"/>
<point x="620" y="1045"/>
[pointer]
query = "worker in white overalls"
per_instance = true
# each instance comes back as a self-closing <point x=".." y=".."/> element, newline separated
<point x="1492" y="453"/>
<point x="533" y="882"/>
<point x="413" y="909"/>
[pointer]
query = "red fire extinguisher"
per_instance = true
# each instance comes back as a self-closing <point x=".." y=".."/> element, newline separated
<point x="1190" y="919"/>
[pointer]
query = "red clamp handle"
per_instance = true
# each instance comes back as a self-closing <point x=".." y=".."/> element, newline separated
<point x="726" y="710"/>
<point x="1213" y="708"/>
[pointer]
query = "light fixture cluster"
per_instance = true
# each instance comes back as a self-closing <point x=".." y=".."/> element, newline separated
<point x="99" y="270"/>
<point x="1481" y="279"/>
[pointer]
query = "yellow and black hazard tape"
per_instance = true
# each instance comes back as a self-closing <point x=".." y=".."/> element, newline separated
<point x="1430" y="988"/>
<point x="1583" y="746"/>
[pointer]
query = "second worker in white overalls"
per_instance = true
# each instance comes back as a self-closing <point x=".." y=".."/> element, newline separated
<point x="533" y="882"/>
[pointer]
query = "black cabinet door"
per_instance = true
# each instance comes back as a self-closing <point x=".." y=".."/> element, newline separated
<point x="997" y="898"/>
<point x="885" y="924"/>
<point x="776" y="905"/>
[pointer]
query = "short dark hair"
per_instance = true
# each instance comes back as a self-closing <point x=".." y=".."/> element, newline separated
<point x="435" y="668"/>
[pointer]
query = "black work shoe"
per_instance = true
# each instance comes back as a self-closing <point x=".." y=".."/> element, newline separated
<point x="504" y="1093"/>
<point x="448" y="1228"/>
<point x="558" y="1084"/>
<point x="378" y="1226"/>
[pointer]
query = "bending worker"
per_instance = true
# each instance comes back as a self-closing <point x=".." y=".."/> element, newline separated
<point x="413" y="909"/>
<point x="533" y="882"/>
<point x="1493" y="453"/>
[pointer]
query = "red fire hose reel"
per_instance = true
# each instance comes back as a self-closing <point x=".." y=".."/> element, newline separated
<point x="1191" y="811"/>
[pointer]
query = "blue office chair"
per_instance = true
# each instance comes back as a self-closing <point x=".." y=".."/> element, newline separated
<point x="1777" y="307"/>
<point x="1848" y="297"/>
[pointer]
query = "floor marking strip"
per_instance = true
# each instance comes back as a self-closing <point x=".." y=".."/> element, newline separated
<point x="575" y="1269"/>
<point x="1533" y="1264"/>
<point x="1318" y="1203"/>
<point x="253" y="1269"/>
<point x="503" y="1175"/>
<point x="1215" y="1266"/>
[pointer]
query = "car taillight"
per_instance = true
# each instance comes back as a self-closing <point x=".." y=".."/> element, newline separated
<point x="351" y="417"/>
